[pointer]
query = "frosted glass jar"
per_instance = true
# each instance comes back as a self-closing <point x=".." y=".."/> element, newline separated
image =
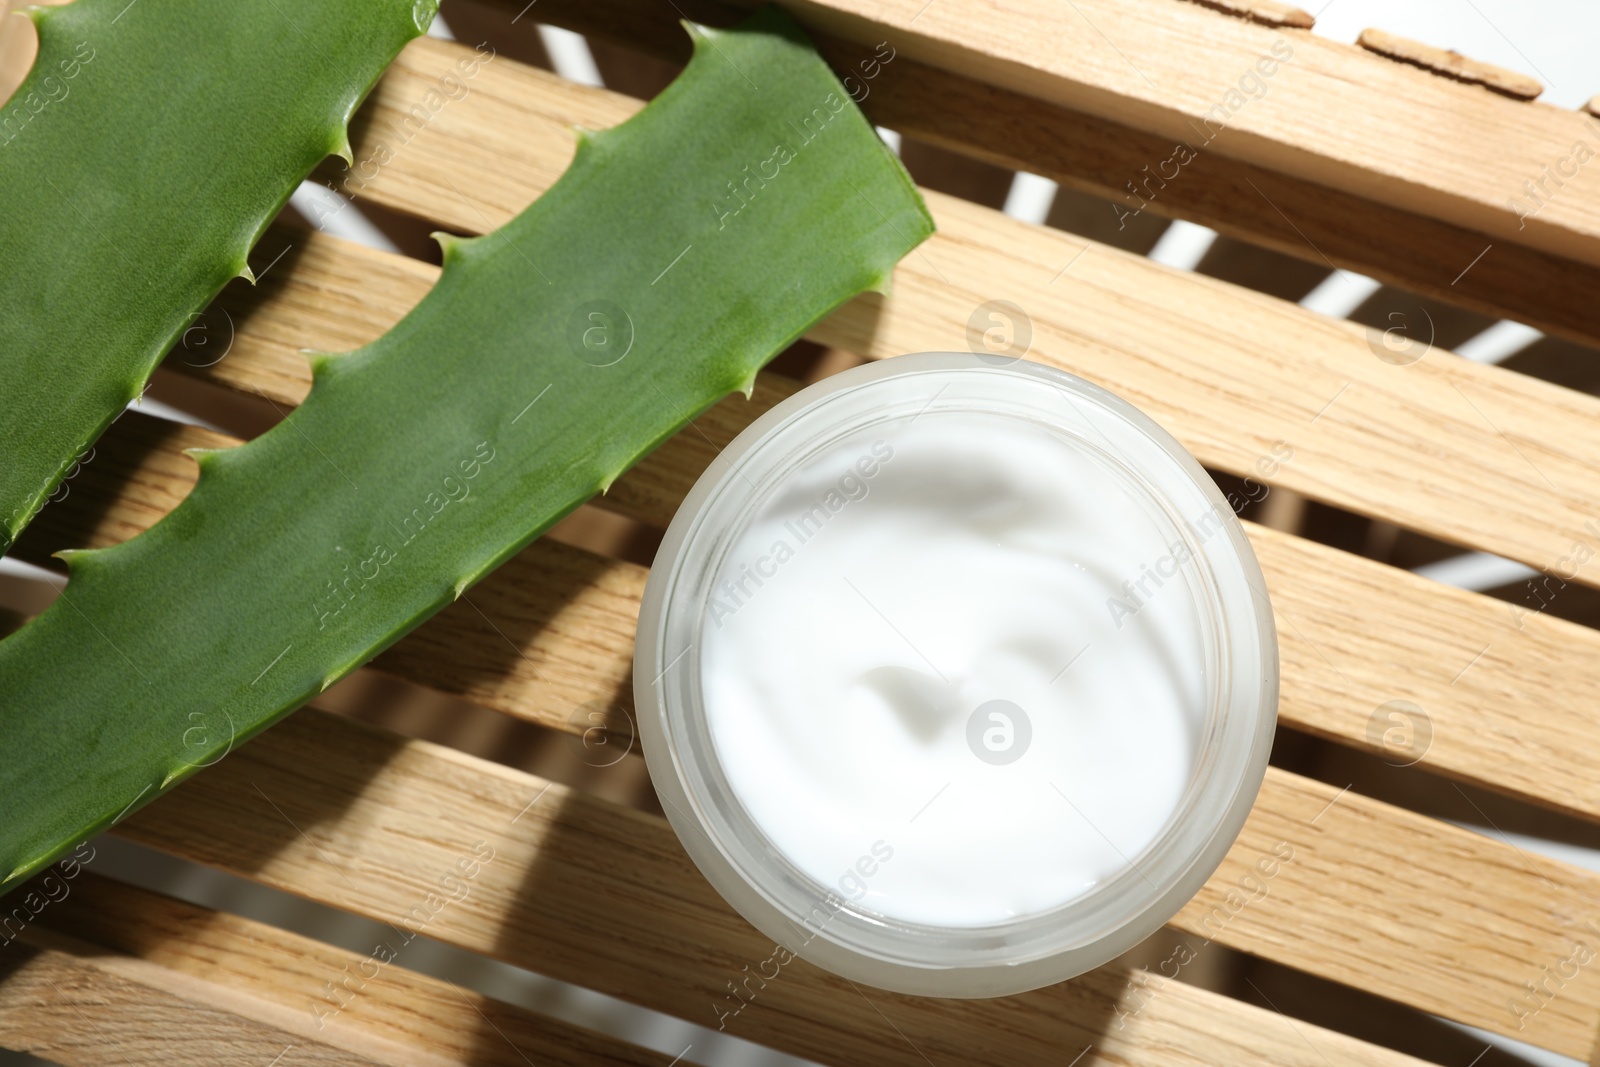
<point x="956" y="678"/>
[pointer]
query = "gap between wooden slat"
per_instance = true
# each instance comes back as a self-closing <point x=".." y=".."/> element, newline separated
<point x="111" y="965"/>
<point x="236" y="959"/>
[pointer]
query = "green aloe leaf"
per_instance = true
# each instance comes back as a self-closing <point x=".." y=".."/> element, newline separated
<point x="679" y="252"/>
<point x="140" y="160"/>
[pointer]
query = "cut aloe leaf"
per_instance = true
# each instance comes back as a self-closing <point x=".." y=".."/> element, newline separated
<point x="679" y="252"/>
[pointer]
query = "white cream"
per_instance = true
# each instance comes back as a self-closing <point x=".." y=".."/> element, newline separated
<point x="903" y="578"/>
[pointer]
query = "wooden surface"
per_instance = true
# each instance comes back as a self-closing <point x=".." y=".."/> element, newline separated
<point x="383" y="816"/>
<point x="145" y="965"/>
<point x="1323" y="225"/>
<point x="132" y="947"/>
<point x="1406" y="136"/>
<point x="598" y="892"/>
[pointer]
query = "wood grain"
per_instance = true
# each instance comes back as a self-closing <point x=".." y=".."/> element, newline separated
<point x="436" y="1024"/>
<point x="1133" y="171"/>
<point x="1471" y="454"/>
<point x="110" y="949"/>
<point x="590" y="892"/>
<point x="79" y="1009"/>
<point x="1405" y="136"/>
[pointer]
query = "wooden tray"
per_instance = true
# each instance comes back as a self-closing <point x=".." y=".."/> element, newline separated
<point x="1352" y="160"/>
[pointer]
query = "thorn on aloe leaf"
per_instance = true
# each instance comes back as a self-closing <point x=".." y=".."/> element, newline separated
<point x="341" y="147"/>
<point x="75" y="558"/>
<point x="247" y="274"/>
<point x="206" y="458"/>
<point x="321" y="363"/>
<point x="588" y="142"/>
<point x="451" y="245"/>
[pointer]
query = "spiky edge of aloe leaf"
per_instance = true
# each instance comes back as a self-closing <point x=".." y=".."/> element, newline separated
<point x="427" y="458"/>
<point x="140" y="161"/>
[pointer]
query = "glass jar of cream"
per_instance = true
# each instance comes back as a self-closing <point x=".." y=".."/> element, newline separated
<point x="956" y="676"/>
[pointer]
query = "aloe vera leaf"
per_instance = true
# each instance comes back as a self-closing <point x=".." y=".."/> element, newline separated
<point x="140" y="160"/>
<point x="422" y="461"/>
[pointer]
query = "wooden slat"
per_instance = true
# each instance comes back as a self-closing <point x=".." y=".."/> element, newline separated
<point x="111" y="964"/>
<point x="1472" y="454"/>
<point x="1320" y="224"/>
<point x="1510" y="700"/>
<point x="81" y="1010"/>
<point x="1405" y="136"/>
<point x="593" y="893"/>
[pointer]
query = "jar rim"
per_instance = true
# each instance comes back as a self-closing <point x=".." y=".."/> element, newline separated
<point x="1026" y="951"/>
